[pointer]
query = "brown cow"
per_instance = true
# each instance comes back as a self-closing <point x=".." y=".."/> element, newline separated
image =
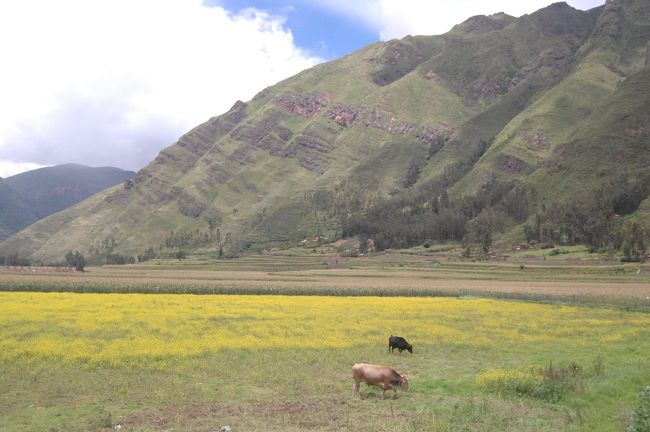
<point x="380" y="376"/>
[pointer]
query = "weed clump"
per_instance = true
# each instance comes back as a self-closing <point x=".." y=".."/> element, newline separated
<point x="641" y="415"/>
<point x="548" y="383"/>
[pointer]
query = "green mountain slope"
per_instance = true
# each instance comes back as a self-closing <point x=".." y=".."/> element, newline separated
<point x="33" y="195"/>
<point x="423" y="137"/>
<point x="14" y="214"/>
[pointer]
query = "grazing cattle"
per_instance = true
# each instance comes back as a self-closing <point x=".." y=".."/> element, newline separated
<point x="380" y="376"/>
<point x="399" y="343"/>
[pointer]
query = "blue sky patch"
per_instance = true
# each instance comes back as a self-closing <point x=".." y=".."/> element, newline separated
<point x="320" y="31"/>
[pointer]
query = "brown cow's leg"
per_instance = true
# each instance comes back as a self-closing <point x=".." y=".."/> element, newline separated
<point x="355" y="389"/>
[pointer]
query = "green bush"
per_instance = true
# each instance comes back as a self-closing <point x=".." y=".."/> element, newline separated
<point x="548" y="383"/>
<point x="641" y="415"/>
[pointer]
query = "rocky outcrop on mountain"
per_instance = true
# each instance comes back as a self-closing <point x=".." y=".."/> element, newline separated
<point x="514" y="165"/>
<point x="398" y="59"/>
<point x="538" y="140"/>
<point x="643" y="130"/>
<point x="314" y="146"/>
<point x="387" y="121"/>
<point x="380" y="118"/>
<point x="434" y="138"/>
<point x="551" y="59"/>
<point x="305" y="105"/>
<point x="610" y="22"/>
<point x="255" y="133"/>
<point x="342" y="115"/>
<point x="187" y="204"/>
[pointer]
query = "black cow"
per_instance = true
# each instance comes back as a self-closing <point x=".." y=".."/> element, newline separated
<point x="399" y="343"/>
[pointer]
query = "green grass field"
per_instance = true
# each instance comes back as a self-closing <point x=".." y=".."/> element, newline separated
<point x="143" y="362"/>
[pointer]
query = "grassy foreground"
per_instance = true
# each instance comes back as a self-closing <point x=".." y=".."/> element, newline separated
<point x="73" y="361"/>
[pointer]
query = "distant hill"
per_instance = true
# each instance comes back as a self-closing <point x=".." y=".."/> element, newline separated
<point x="14" y="214"/>
<point x="503" y="130"/>
<point x="33" y="195"/>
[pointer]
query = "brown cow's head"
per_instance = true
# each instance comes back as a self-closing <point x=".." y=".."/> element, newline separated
<point x="404" y="382"/>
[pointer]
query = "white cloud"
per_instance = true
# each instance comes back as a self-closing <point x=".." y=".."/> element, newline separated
<point x="8" y="168"/>
<point x="110" y="82"/>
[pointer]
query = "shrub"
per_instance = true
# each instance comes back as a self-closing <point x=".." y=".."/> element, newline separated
<point x="641" y="415"/>
<point x="548" y="383"/>
<point x="76" y="260"/>
<point x="509" y="381"/>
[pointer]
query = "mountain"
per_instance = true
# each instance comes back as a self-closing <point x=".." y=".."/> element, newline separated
<point x="33" y="195"/>
<point x="504" y="129"/>
<point x="14" y="214"/>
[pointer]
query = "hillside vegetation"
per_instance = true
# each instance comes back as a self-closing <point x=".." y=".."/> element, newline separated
<point x="33" y="195"/>
<point x="510" y="130"/>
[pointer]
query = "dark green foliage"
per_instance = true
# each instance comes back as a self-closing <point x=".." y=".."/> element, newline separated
<point x="593" y="219"/>
<point x="406" y="219"/>
<point x="79" y="262"/>
<point x="15" y="260"/>
<point x="76" y="260"/>
<point x="147" y="255"/>
<point x="181" y="255"/>
<point x="557" y="382"/>
<point x="548" y="383"/>
<point x="517" y="201"/>
<point x="634" y="242"/>
<point x="641" y="415"/>
<point x="412" y="175"/>
<point x="480" y="230"/>
<point x="118" y="259"/>
<point x="192" y="239"/>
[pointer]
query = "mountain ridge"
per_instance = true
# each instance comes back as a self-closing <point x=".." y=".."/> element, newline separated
<point x="484" y="108"/>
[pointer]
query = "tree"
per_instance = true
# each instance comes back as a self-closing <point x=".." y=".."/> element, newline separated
<point x="480" y="231"/>
<point x="147" y="255"/>
<point x="79" y="262"/>
<point x="75" y="259"/>
<point x="634" y="246"/>
<point x="69" y="259"/>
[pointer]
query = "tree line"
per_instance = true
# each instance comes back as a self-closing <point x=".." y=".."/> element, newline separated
<point x="426" y="213"/>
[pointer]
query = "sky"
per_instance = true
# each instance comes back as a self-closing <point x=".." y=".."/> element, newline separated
<point x="112" y="82"/>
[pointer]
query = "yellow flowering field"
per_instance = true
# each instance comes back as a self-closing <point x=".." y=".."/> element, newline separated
<point x="153" y="329"/>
